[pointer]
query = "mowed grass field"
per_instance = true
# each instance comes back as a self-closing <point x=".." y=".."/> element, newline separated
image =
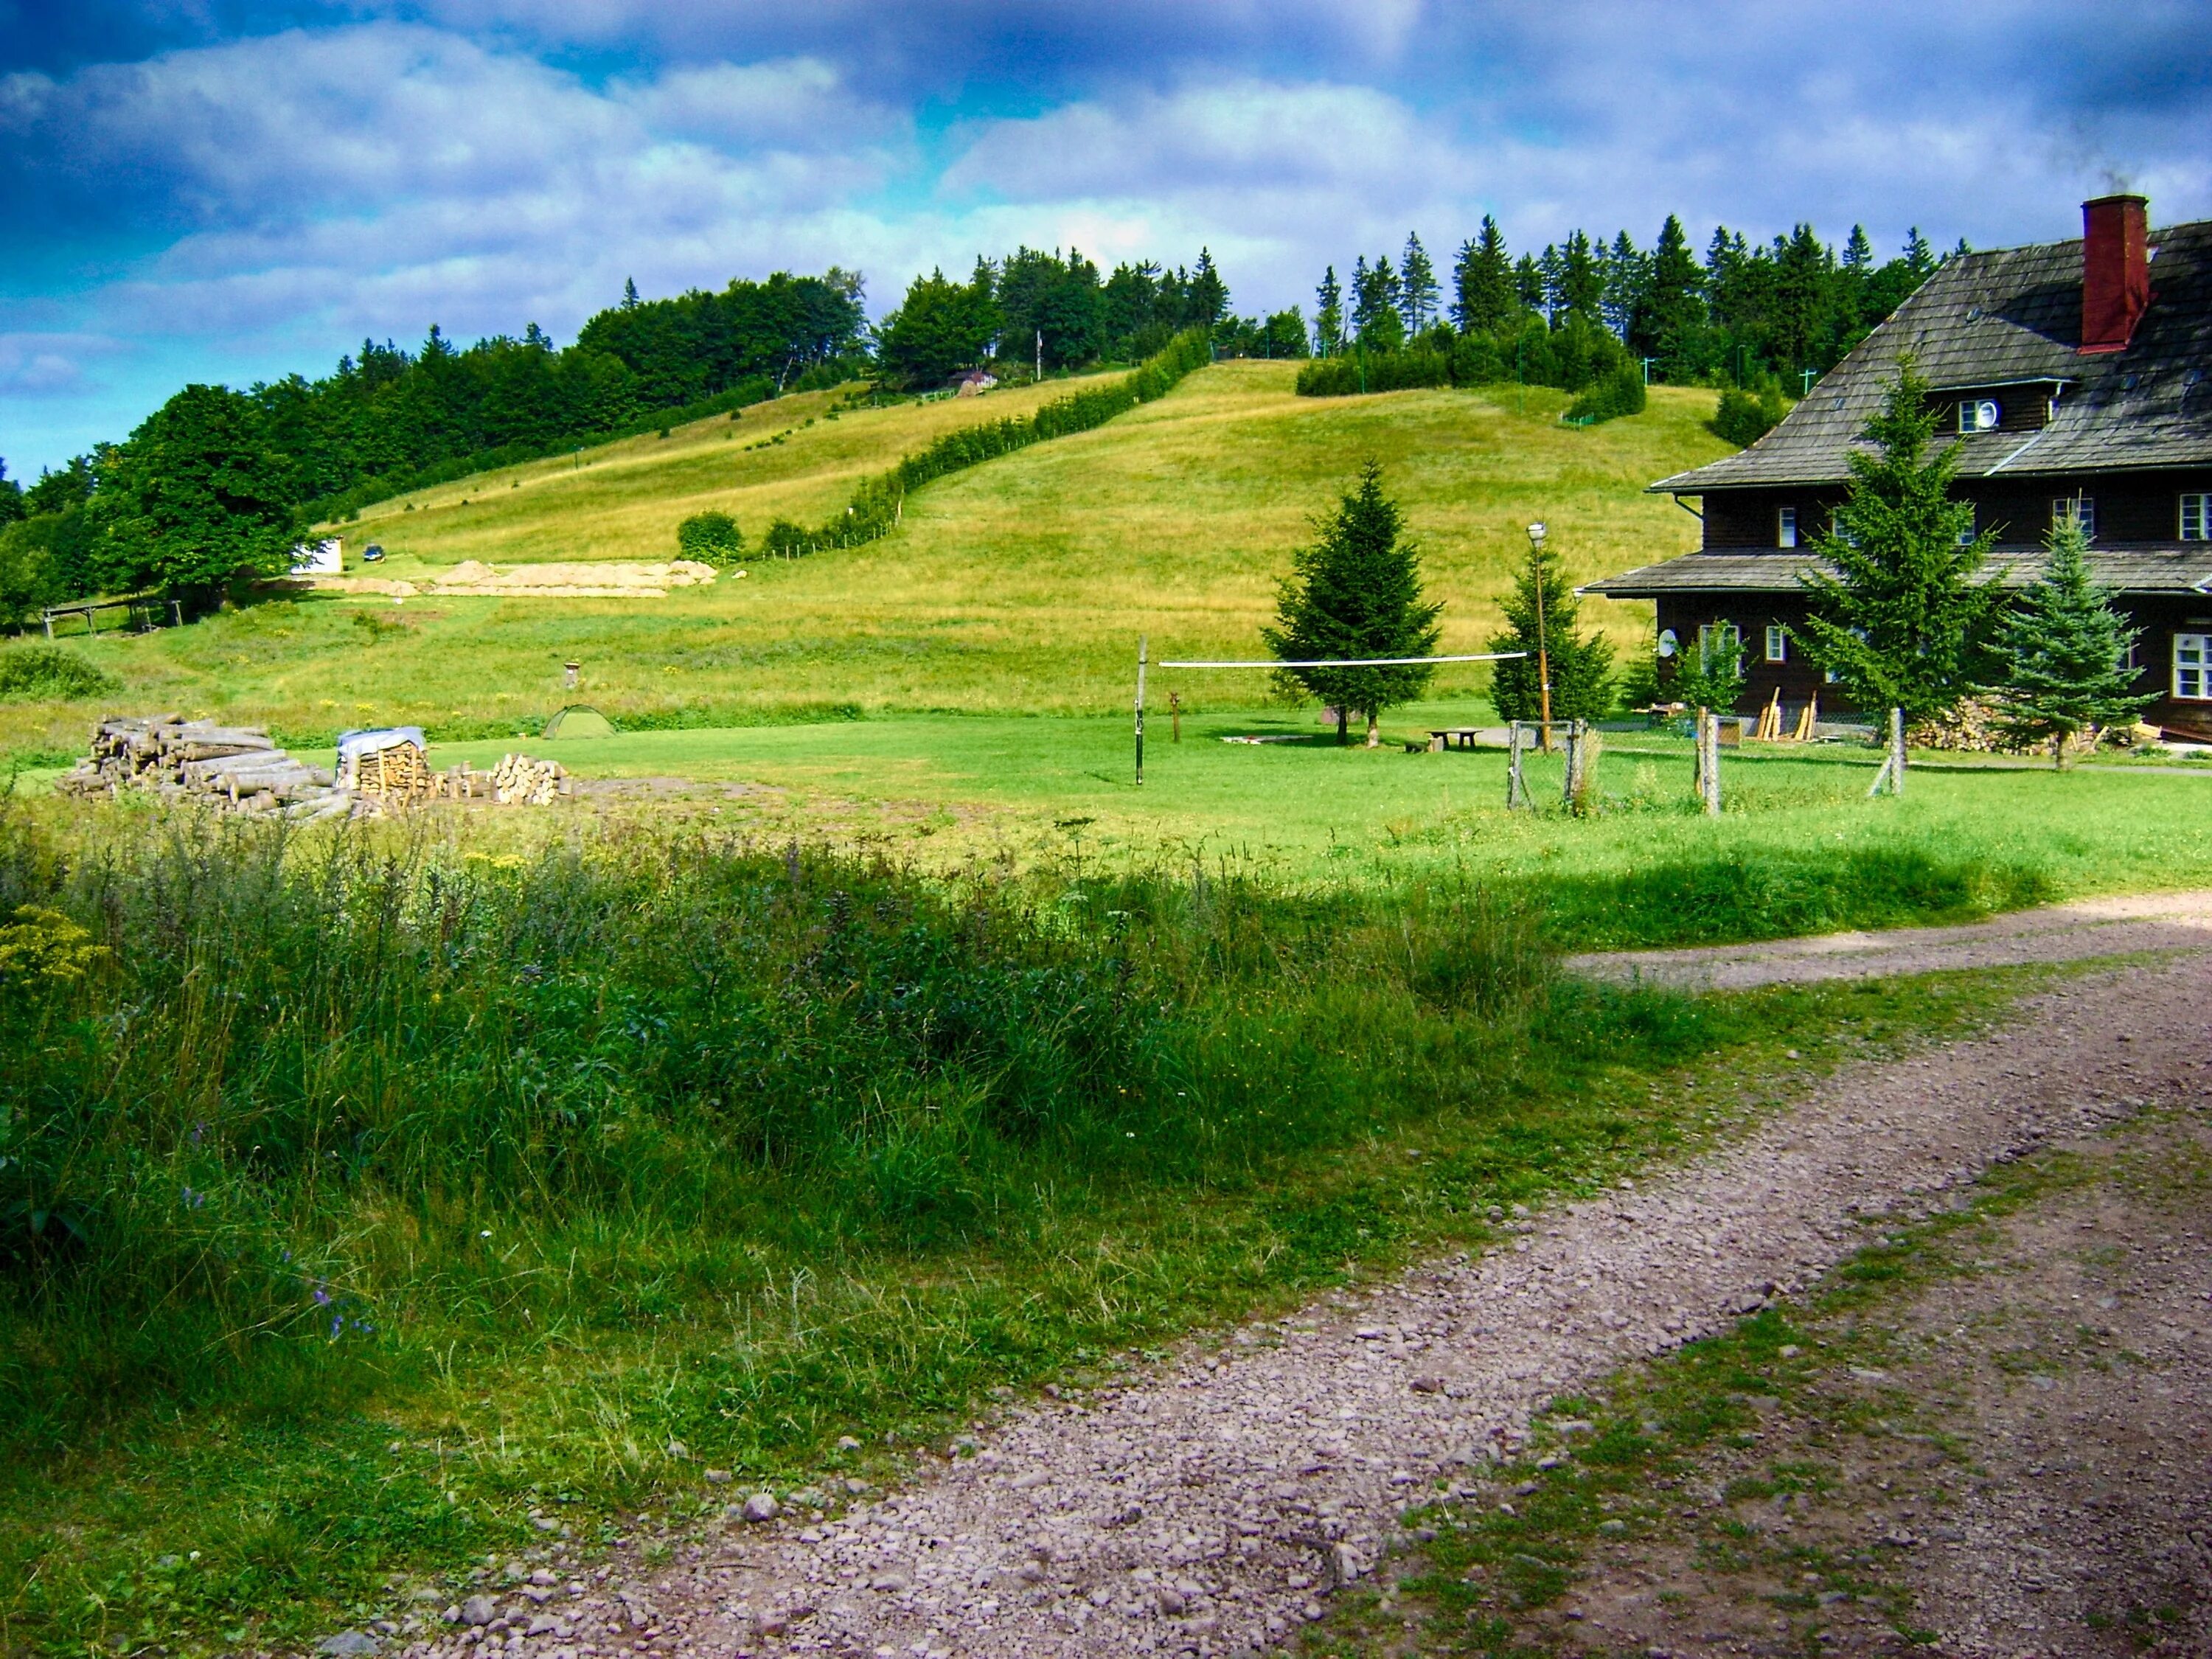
<point x="1020" y="586"/>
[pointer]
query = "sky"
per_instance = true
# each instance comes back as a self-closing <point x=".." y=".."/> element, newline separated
<point x="235" y="190"/>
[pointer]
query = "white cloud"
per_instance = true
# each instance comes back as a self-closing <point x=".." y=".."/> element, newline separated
<point x="34" y="365"/>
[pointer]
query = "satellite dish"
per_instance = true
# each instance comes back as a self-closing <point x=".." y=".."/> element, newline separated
<point x="1668" y="643"/>
<point x="1986" y="413"/>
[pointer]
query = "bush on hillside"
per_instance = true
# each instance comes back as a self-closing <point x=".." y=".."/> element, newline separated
<point x="710" y="537"/>
<point x="49" y="673"/>
<point x="784" y="540"/>
<point x="1357" y="371"/>
<point x="1744" y="418"/>
<point x="1620" y="392"/>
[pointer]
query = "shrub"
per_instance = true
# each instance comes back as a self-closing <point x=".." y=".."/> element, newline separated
<point x="1357" y="371"/>
<point x="1620" y="392"/>
<point x="48" y="674"/>
<point x="1744" y="418"/>
<point x="710" y="537"/>
<point x="784" y="540"/>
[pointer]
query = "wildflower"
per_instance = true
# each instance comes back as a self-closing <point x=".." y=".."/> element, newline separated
<point x="322" y="1296"/>
<point x="337" y="1324"/>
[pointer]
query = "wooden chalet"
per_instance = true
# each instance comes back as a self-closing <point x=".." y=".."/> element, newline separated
<point x="2073" y="378"/>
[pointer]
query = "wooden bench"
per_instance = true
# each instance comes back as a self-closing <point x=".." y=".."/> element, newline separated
<point x="1452" y="736"/>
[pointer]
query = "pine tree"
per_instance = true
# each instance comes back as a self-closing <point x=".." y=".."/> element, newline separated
<point x="629" y="301"/>
<point x="1482" y="279"/>
<point x="1528" y="283"/>
<point x="1627" y="288"/>
<point x="1580" y="283"/>
<point x="2064" y="653"/>
<point x="1376" y="321"/>
<point x="1209" y="295"/>
<point x="1919" y="258"/>
<point x="1328" y="315"/>
<point x="1417" y="282"/>
<point x="1355" y="592"/>
<point x="1901" y="621"/>
<point x="1676" y="311"/>
<point x="1581" y="664"/>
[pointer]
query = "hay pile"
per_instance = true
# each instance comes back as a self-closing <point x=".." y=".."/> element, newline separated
<point x="577" y="579"/>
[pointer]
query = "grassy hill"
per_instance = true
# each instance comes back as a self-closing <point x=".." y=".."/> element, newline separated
<point x="1019" y="587"/>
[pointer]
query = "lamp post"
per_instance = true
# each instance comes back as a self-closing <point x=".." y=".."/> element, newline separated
<point x="1543" y="648"/>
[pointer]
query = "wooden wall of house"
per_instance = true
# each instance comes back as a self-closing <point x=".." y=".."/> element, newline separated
<point x="2133" y="509"/>
<point x="2159" y="617"/>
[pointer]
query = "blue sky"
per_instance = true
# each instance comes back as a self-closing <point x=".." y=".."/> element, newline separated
<point x="228" y="190"/>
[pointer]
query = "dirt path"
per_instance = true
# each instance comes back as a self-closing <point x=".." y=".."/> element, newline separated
<point x="1210" y="1505"/>
<point x="2061" y="932"/>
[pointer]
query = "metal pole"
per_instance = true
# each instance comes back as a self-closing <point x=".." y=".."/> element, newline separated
<point x="1897" y="751"/>
<point x="1516" y="793"/>
<point x="1140" y="708"/>
<point x="1543" y="648"/>
<point x="1712" y="764"/>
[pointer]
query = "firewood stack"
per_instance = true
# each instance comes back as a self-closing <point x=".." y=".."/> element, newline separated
<point x="520" y="780"/>
<point x="234" y="768"/>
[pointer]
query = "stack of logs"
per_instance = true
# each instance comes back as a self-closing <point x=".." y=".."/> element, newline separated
<point x="235" y="768"/>
<point x="241" y="770"/>
<point x="398" y="777"/>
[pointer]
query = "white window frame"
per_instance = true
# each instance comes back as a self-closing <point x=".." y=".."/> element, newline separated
<point x="1969" y="415"/>
<point x="2195" y="516"/>
<point x="2083" y="509"/>
<point x="1777" y="642"/>
<point x="1973" y="525"/>
<point x="1785" y="526"/>
<point x="2192" y="667"/>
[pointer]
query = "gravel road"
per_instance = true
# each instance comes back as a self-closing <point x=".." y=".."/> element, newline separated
<point x="2117" y="927"/>
<point x="1210" y="1505"/>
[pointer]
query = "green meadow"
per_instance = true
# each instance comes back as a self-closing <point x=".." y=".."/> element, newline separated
<point x="1021" y="586"/>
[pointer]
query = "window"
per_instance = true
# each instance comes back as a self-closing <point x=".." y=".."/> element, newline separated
<point x="2131" y="659"/>
<point x="1720" y="641"/>
<point x="1785" y="527"/>
<point x="1966" y="531"/>
<point x="2197" y="518"/>
<point x="1979" y="415"/>
<point x="1777" y="642"/>
<point x="2192" y="667"/>
<point x="2081" y="509"/>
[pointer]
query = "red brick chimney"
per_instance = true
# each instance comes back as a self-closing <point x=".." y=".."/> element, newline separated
<point x="2115" y="271"/>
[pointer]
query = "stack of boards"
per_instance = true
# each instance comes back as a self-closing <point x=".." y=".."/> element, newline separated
<point x="235" y="768"/>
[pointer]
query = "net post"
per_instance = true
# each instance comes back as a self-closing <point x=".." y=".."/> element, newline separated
<point x="1141" y="644"/>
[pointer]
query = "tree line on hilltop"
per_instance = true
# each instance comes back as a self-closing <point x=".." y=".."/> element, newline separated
<point x="1757" y="318"/>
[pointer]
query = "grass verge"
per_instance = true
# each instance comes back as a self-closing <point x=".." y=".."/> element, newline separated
<point x="373" y="1203"/>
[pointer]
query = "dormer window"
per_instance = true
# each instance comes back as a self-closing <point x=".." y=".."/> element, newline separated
<point x="2078" y="509"/>
<point x="2195" y="518"/>
<point x="1979" y="415"/>
<point x="1971" y="529"/>
<point x="1785" y="526"/>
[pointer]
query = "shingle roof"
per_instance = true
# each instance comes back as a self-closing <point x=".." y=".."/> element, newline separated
<point x="2125" y="570"/>
<point x="2008" y="317"/>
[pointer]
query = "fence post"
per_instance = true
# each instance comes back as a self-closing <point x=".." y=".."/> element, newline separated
<point x="1516" y="792"/>
<point x="1573" y="781"/>
<point x="1709" y="761"/>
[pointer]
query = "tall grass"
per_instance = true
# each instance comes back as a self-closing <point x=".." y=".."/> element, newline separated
<point x="269" y="1094"/>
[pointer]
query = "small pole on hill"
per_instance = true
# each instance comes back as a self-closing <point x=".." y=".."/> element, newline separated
<point x="1140" y="708"/>
<point x="1175" y="717"/>
<point x="1040" y="358"/>
<point x="1543" y="651"/>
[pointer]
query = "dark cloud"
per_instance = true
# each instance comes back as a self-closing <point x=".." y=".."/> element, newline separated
<point x="261" y="183"/>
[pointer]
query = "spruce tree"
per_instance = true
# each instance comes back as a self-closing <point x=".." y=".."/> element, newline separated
<point x="2064" y="650"/>
<point x="1676" y="312"/>
<point x="1355" y="592"/>
<point x="1900" y="622"/>
<point x="1417" y="283"/>
<point x="1581" y="664"/>
<point x="1483" y="280"/>
<point x="1328" y="315"/>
